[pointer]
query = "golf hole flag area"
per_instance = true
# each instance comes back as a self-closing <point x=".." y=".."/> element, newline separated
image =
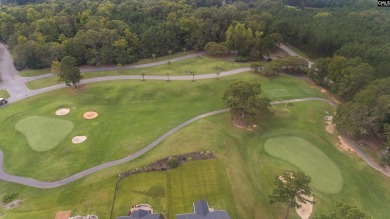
<point x="44" y="133"/>
<point x="325" y="174"/>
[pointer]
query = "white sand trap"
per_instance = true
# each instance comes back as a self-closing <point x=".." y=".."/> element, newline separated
<point x="78" y="139"/>
<point x="306" y="209"/>
<point x="62" y="111"/>
<point x="90" y="115"/>
<point x="330" y="127"/>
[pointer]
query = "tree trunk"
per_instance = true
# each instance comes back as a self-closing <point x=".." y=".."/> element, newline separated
<point x="287" y="210"/>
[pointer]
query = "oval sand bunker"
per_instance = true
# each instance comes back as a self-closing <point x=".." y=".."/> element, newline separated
<point x="90" y="115"/>
<point x="78" y="139"/>
<point x="62" y="111"/>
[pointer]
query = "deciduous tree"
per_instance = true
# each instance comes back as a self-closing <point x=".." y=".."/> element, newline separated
<point x="70" y="73"/>
<point x="291" y="188"/>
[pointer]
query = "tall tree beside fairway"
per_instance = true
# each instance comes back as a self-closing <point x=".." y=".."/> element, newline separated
<point x="244" y="101"/>
<point x="345" y="211"/>
<point x="291" y="187"/>
<point x="239" y="38"/>
<point x="70" y="73"/>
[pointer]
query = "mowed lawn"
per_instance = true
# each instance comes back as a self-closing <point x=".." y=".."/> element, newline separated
<point x="173" y="192"/>
<point x="4" y="94"/>
<point x="249" y="169"/>
<point x="131" y="115"/>
<point x="198" y="65"/>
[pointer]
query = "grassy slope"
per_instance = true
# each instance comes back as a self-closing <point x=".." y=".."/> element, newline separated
<point x="131" y="108"/>
<point x="198" y="65"/>
<point x="249" y="169"/>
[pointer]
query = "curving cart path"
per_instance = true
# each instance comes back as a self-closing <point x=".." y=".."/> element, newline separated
<point x="15" y="85"/>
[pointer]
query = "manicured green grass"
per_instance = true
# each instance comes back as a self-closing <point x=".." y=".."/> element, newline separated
<point x="204" y="180"/>
<point x="173" y="192"/>
<point x="130" y="108"/>
<point x="326" y="176"/>
<point x="44" y="133"/>
<point x="277" y="93"/>
<point x="249" y="169"/>
<point x="4" y="94"/>
<point x="34" y="72"/>
<point x="44" y="82"/>
<point x="198" y="65"/>
<point x="135" y="113"/>
<point x="149" y="188"/>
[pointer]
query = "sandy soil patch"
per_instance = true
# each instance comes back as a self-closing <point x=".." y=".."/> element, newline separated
<point x="330" y="127"/>
<point x="344" y="145"/>
<point x="63" y="214"/>
<point x="14" y="204"/>
<point x="62" y="111"/>
<point x="90" y="115"/>
<point x="306" y="209"/>
<point x="79" y="139"/>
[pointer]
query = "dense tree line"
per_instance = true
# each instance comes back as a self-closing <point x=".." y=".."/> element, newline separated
<point x="353" y="49"/>
<point x="113" y="31"/>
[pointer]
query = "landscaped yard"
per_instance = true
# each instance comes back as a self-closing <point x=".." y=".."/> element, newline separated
<point x="173" y="192"/>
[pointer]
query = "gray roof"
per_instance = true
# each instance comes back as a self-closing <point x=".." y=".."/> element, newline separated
<point x="141" y="214"/>
<point x="201" y="211"/>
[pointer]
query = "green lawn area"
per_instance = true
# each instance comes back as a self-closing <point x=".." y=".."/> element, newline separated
<point x="4" y="94"/>
<point x="131" y="108"/>
<point x="134" y="113"/>
<point x="173" y="192"/>
<point x="35" y="72"/>
<point x="198" y="65"/>
<point x="44" y="133"/>
<point x="326" y="176"/>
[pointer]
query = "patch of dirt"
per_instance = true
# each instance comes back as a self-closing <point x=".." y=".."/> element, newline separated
<point x="62" y="111"/>
<point x="306" y="209"/>
<point x="63" y="214"/>
<point x="344" y="145"/>
<point x="78" y="139"/>
<point x="243" y="125"/>
<point x="323" y="91"/>
<point x="330" y="127"/>
<point x="14" y="204"/>
<point x="90" y="115"/>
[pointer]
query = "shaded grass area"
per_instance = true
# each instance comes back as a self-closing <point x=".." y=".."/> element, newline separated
<point x="44" y="133"/>
<point x="197" y="65"/>
<point x="249" y="169"/>
<point x="34" y="72"/>
<point x="128" y="110"/>
<point x="173" y="192"/>
<point x="325" y="175"/>
<point x="4" y="94"/>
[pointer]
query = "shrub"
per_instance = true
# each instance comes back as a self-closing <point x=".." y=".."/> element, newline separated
<point x="173" y="162"/>
<point x="9" y="197"/>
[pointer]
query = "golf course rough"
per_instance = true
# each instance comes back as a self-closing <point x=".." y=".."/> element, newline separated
<point x="44" y="133"/>
<point x="325" y="174"/>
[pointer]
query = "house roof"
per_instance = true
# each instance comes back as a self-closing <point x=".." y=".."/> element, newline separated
<point x="202" y="211"/>
<point x="141" y="214"/>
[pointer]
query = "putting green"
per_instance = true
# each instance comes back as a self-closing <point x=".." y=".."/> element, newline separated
<point x="325" y="174"/>
<point x="44" y="133"/>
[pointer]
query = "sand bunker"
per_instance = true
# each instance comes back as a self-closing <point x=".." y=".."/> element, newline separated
<point x="62" y="111"/>
<point x="90" y="115"/>
<point x="330" y="127"/>
<point x="78" y="139"/>
<point x="344" y="145"/>
<point x="306" y="209"/>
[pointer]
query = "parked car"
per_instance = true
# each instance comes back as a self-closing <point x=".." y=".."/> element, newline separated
<point x="3" y="101"/>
